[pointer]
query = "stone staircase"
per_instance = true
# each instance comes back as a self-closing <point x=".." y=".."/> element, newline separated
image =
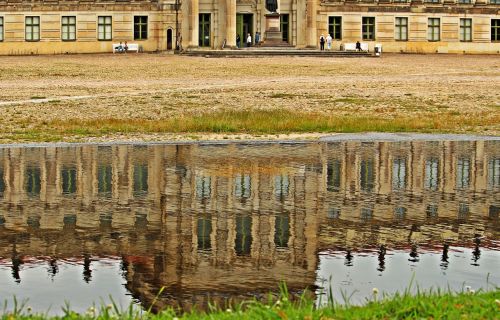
<point x="273" y="51"/>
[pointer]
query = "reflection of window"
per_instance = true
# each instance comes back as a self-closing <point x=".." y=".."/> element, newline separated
<point x="2" y="181"/>
<point x="141" y="220"/>
<point x="104" y="180"/>
<point x="400" y="212"/>
<point x="282" y="230"/>
<point x="399" y="174"/>
<point x="203" y="188"/>
<point x="431" y="211"/>
<point x="33" y="182"/>
<point x="431" y="173"/>
<point x="33" y="222"/>
<point x="242" y="185"/>
<point x="69" y="220"/>
<point x="333" y="213"/>
<point x="281" y="186"/>
<point x="367" y="175"/>
<point x="494" y="211"/>
<point x="463" y="211"/>
<point x="366" y="213"/>
<point x="493" y="173"/>
<point x="333" y="171"/>
<point x="140" y="179"/>
<point x="463" y="173"/>
<point x="204" y="228"/>
<point x="68" y="177"/>
<point x="105" y="220"/>
<point x="243" y="242"/>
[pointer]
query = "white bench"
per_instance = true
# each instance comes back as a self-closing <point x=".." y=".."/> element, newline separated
<point x="352" y="46"/>
<point x="131" y="47"/>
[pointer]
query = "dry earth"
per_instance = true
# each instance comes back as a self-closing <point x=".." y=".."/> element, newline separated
<point x="35" y="91"/>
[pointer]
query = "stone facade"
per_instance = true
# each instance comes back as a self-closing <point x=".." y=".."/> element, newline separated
<point x="460" y="26"/>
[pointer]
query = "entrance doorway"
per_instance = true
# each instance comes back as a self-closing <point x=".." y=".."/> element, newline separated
<point x="204" y="30"/>
<point x="169" y="39"/>
<point x="285" y="26"/>
<point x="244" y="26"/>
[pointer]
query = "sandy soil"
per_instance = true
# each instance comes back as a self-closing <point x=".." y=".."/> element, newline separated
<point x="37" y="90"/>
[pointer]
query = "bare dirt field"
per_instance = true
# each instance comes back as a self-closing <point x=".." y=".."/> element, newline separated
<point x="72" y="98"/>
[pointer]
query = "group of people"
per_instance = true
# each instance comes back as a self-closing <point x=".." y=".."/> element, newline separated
<point x="329" y="41"/>
<point x="122" y="47"/>
<point x="248" y="40"/>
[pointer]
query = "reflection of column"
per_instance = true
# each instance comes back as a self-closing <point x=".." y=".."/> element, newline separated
<point x="231" y="23"/>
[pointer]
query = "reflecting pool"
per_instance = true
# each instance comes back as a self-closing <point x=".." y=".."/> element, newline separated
<point x="213" y="222"/>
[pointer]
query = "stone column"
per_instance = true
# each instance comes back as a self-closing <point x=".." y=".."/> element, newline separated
<point x="230" y="23"/>
<point x="311" y="35"/>
<point x="194" y="22"/>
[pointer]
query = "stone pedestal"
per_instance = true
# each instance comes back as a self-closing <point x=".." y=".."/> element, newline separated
<point x="273" y="37"/>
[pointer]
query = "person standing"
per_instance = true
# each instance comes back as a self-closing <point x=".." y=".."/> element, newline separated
<point x="249" y="40"/>
<point x="238" y="40"/>
<point x="257" y="38"/>
<point x="322" y="42"/>
<point x="329" y="42"/>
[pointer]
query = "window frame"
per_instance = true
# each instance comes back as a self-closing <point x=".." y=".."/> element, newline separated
<point x="433" y="26"/>
<point x="367" y="25"/>
<point x="495" y="27"/>
<point x="140" y="25"/>
<point x="68" y="25"/>
<point x="465" y="27"/>
<point x="104" y="24"/>
<point x="2" y="23"/>
<point x="334" y="26"/>
<point x="31" y="26"/>
<point x="399" y="27"/>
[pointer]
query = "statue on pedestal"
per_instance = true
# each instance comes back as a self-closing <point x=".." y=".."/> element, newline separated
<point x="272" y="5"/>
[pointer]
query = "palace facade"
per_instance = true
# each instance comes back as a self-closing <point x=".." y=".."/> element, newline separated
<point x="87" y="26"/>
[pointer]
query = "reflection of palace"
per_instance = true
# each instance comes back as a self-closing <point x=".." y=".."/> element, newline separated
<point x="235" y="219"/>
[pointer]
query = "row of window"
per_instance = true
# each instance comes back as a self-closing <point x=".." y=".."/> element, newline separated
<point x="68" y="28"/>
<point x="401" y="29"/>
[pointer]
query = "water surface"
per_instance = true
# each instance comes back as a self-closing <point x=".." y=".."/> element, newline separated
<point x="219" y="222"/>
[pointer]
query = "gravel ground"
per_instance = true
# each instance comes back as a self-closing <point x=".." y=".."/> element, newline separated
<point x="37" y="90"/>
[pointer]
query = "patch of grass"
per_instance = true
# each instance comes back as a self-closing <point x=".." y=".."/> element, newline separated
<point x="422" y="305"/>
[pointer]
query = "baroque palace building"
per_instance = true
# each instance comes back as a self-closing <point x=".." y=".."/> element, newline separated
<point x="85" y="26"/>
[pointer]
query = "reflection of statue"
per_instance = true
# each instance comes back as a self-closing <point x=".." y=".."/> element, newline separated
<point x="272" y="5"/>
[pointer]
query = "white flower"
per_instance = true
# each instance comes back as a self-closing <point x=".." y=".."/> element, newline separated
<point x="229" y="310"/>
<point x="375" y="291"/>
<point x="467" y="288"/>
<point x="497" y="302"/>
<point x="28" y="309"/>
<point x="472" y="291"/>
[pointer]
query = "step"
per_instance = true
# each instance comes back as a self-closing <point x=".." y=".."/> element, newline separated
<point x="275" y="52"/>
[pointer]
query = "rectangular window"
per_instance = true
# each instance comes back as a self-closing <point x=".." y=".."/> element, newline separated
<point x="368" y="28"/>
<point x="1" y="28"/>
<point x="104" y="28"/>
<point x="68" y="28"/>
<point x="495" y="29"/>
<point x="432" y="1"/>
<point x="335" y="27"/>
<point x="465" y="29"/>
<point x="433" y="29"/>
<point x="285" y="26"/>
<point x="463" y="173"/>
<point x="140" y="27"/>
<point x="399" y="174"/>
<point x="495" y="1"/>
<point x="431" y="181"/>
<point x="401" y="29"/>
<point x="464" y="1"/>
<point x="32" y="31"/>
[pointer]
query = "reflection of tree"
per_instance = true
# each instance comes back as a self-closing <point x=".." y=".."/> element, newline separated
<point x="414" y="254"/>
<point x="87" y="272"/>
<point x="476" y="253"/>
<point x="444" y="257"/>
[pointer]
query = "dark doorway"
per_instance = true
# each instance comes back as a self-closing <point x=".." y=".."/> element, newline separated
<point x="285" y="26"/>
<point x="244" y="26"/>
<point x="204" y="31"/>
<point x="169" y="39"/>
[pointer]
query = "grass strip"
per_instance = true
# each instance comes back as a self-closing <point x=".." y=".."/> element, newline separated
<point x="422" y="305"/>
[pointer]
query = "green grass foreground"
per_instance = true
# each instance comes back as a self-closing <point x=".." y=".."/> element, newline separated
<point x="428" y="305"/>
